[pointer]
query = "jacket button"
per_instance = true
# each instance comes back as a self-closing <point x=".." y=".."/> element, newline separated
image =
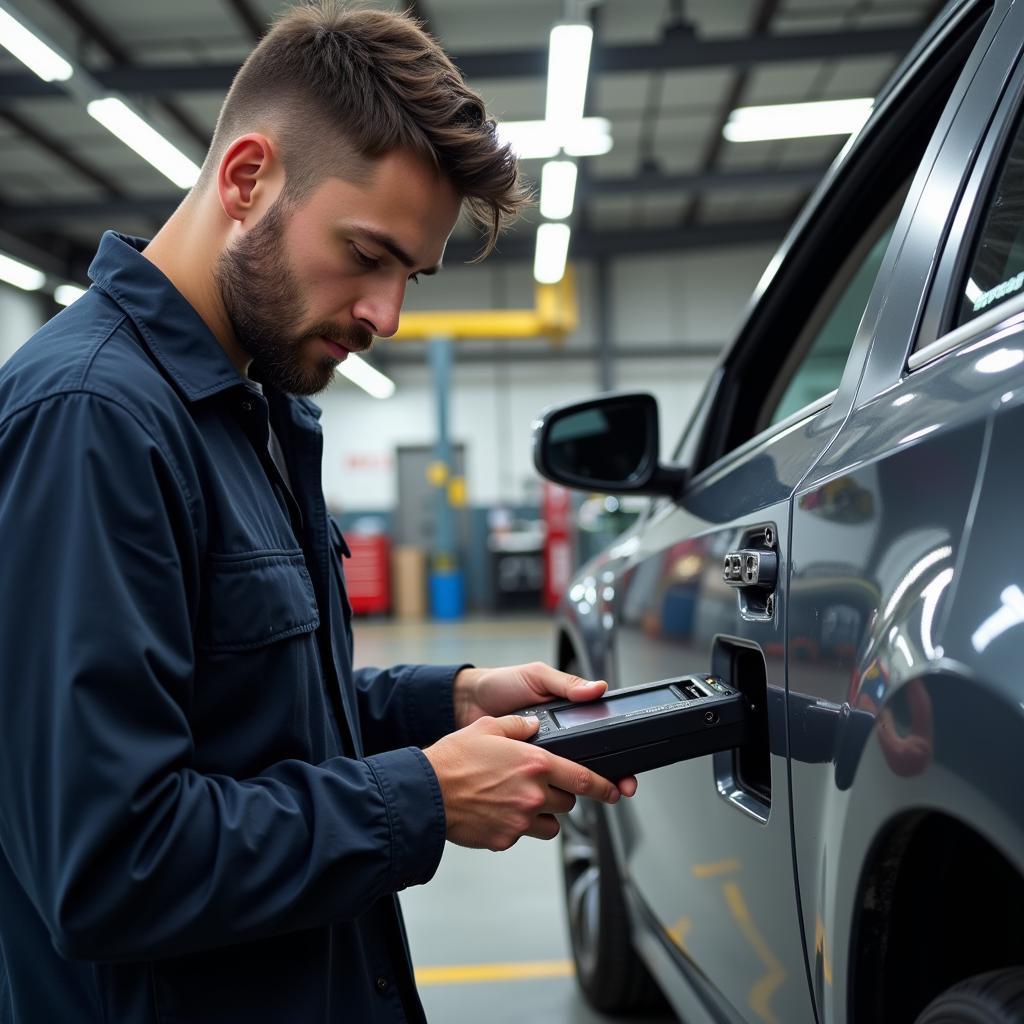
<point x="382" y="984"/>
<point x="247" y="406"/>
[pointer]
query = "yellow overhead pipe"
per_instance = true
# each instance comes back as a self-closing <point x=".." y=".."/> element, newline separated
<point x="555" y="314"/>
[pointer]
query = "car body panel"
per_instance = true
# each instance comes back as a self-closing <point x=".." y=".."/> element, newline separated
<point x="893" y="651"/>
<point x="696" y="859"/>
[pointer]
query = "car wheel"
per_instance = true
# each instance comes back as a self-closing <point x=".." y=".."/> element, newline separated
<point x="613" y="978"/>
<point x="993" y="998"/>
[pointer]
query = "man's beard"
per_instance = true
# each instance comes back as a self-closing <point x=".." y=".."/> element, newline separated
<point x="263" y="304"/>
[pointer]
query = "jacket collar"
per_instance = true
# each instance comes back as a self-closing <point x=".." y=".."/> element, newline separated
<point x="175" y="333"/>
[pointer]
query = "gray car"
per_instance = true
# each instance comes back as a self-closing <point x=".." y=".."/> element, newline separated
<point x="862" y="857"/>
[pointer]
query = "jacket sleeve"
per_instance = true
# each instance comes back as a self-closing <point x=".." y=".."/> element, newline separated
<point x="125" y="849"/>
<point x="405" y="705"/>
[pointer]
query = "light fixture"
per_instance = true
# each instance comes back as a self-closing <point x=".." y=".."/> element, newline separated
<point x="39" y="58"/>
<point x="21" y="275"/>
<point x="568" y="67"/>
<point x="118" y="118"/>
<point x="370" y="379"/>
<point x="552" y="249"/>
<point x="557" y="189"/>
<point x="65" y="294"/>
<point x="796" y="120"/>
<point x="539" y="140"/>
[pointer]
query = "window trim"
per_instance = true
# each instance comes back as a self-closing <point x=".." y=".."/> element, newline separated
<point x="1004" y="311"/>
<point x="967" y="223"/>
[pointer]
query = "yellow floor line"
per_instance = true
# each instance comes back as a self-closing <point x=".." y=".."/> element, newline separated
<point x="468" y="974"/>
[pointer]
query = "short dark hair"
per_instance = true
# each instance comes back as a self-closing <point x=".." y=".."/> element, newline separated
<point x="376" y="82"/>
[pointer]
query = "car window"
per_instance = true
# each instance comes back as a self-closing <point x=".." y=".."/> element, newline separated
<point x="816" y="363"/>
<point x="794" y="347"/>
<point x="996" y="267"/>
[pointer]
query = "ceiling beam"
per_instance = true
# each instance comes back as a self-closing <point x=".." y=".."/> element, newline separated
<point x="412" y="353"/>
<point x="249" y="18"/>
<point x="741" y="52"/>
<point x="96" y="33"/>
<point x="56" y="148"/>
<point x="733" y="96"/>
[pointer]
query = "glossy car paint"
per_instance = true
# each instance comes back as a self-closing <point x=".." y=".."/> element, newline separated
<point x="893" y="659"/>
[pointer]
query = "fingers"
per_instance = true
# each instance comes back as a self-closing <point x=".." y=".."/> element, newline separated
<point x="627" y="786"/>
<point x="558" y="801"/>
<point x="574" y="778"/>
<point x="549" y="682"/>
<point x="545" y="826"/>
<point x="515" y="727"/>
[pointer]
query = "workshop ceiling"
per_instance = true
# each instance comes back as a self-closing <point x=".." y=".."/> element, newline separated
<point x="665" y="73"/>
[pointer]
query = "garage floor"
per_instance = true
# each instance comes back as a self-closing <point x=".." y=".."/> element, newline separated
<point x="488" y="934"/>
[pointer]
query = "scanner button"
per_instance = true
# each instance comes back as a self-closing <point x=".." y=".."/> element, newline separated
<point x="544" y="729"/>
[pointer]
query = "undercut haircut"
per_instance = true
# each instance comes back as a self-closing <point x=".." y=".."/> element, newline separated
<point x="338" y="87"/>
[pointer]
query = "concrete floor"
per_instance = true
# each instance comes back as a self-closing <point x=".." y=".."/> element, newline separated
<point x="488" y="934"/>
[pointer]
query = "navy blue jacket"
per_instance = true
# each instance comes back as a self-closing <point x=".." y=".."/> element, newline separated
<point x="205" y="814"/>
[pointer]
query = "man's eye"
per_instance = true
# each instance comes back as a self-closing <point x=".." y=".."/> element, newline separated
<point x="364" y="259"/>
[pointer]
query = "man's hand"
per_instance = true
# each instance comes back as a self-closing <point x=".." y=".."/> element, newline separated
<point x="479" y="692"/>
<point x="500" y="691"/>
<point x="497" y="789"/>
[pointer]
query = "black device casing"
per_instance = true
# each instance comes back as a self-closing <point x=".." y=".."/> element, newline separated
<point x="641" y="740"/>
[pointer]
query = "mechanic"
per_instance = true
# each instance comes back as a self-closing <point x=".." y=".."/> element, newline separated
<point x="205" y="813"/>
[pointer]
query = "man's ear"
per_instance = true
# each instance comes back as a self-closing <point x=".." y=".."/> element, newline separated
<point x="247" y="174"/>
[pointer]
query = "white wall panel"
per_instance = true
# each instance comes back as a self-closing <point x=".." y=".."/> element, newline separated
<point x="20" y="317"/>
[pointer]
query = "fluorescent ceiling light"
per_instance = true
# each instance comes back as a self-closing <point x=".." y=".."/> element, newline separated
<point x="568" y="66"/>
<point x="539" y="140"/>
<point x="552" y="249"/>
<point x="21" y="275"/>
<point x="796" y="120"/>
<point x="117" y="117"/>
<point x="557" y="189"/>
<point x="65" y="294"/>
<point x="49" y="65"/>
<point x="371" y="380"/>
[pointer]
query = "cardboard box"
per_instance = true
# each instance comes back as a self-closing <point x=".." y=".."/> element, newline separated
<point x="409" y="581"/>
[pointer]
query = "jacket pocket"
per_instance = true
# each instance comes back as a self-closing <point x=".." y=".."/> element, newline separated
<point x="256" y="598"/>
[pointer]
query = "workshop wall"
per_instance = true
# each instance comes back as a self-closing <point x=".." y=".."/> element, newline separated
<point x="21" y="315"/>
<point x="685" y="303"/>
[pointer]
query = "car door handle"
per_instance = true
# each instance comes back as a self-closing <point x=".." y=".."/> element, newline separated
<point x="749" y="567"/>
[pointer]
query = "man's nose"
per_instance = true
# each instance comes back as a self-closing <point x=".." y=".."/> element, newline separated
<point x="381" y="309"/>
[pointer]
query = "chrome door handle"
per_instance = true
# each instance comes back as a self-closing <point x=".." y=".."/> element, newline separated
<point x="750" y="567"/>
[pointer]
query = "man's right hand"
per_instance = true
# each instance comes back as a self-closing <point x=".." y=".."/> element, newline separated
<point x="497" y="789"/>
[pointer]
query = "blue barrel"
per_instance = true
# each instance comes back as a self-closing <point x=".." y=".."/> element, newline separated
<point x="447" y="594"/>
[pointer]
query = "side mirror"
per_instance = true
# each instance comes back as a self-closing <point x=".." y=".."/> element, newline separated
<point x="609" y="444"/>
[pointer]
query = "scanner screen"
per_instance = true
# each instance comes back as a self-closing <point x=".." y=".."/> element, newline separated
<point x="613" y="707"/>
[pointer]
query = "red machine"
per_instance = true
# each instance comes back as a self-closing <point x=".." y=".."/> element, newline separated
<point x="368" y="573"/>
<point x="557" y="510"/>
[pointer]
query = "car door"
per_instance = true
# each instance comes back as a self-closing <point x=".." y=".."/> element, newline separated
<point x="707" y="846"/>
<point x="880" y="536"/>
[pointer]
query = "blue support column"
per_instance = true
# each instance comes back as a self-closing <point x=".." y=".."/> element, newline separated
<point x="447" y="599"/>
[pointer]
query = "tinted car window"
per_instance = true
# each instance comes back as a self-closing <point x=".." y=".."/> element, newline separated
<point x="996" y="268"/>
<point x="826" y="347"/>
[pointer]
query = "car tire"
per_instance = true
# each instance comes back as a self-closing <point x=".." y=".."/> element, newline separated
<point x="609" y="972"/>
<point x="993" y="998"/>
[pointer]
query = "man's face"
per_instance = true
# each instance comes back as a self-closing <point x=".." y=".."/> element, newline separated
<point x="307" y="285"/>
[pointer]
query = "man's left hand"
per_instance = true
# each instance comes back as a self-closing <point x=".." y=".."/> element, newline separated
<point x="500" y="691"/>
